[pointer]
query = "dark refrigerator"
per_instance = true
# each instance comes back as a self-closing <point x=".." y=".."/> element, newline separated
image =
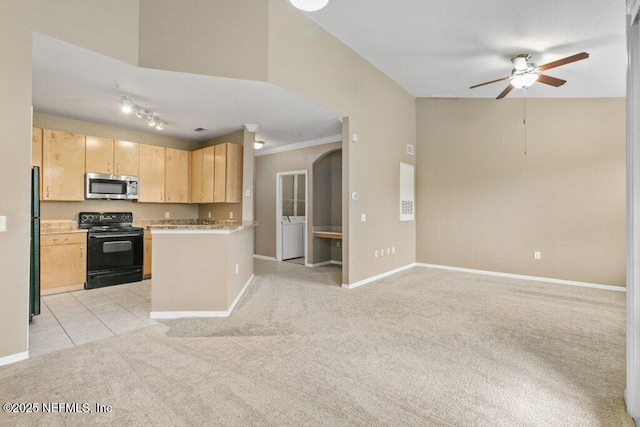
<point x="34" y="270"/>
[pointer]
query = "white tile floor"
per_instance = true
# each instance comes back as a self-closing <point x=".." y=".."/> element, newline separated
<point x="74" y="318"/>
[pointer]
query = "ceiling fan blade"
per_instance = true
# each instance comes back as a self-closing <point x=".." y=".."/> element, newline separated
<point x="551" y="81"/>
<point x="505" y="92"/>
<point x="488" y="83"/>
<point x="565" y="61"/>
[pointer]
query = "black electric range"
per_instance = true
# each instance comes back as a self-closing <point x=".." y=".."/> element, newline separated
<point x="114" y="248"/>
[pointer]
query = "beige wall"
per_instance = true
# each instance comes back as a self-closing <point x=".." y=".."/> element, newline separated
<point x="225" y="38"/>
<point x="483" y="204"/>
<point x="305" y="59"/>
<point x="69" y="210"/>
<point x="205" y="279"/>
<point x="94" y="129"/>
<point x="266" y="170"/>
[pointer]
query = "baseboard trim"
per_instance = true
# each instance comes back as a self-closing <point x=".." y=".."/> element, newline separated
<point x="378" y="277"/>
<point x="324" y="263"/>
<point x="523" y="277"/>
<point x="7" y="360"/>
<point x="267" y="258"/>
<point x="159" y="315"/>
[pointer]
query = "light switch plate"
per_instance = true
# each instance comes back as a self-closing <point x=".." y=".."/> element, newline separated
<point x="247" y="193"/>
<point x="3" y="224"/>
<point x="363" y="218"/>
<point x="167" y="215"/>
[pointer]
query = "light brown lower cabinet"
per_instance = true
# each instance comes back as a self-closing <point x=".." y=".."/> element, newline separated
<point x="146" y="259"/>
<point x="63" y="262"/>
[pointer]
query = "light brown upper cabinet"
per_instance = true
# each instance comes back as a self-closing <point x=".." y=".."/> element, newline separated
<point x="228" y="173"/>
<point x="63" y="165"/>
<point x="104" y="155"/>
<point x="99" y="155"/>
<point x="126" y="157"/>
<point x="151" y="174"/>
<point x="176" y="181"/>
<point x="202" y="168"/>
<point x="36" y="152"/>
<point x="36" y="147"/>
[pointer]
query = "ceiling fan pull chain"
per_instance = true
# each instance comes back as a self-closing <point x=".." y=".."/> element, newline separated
<point x="524" y="121"/>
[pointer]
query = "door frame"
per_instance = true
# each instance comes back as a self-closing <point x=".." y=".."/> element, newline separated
<point x="279" y="177"/>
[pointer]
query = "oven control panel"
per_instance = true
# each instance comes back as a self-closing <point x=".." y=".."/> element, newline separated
<point x="105" y="218"/>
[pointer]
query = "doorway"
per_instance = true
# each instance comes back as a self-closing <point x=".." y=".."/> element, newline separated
<point x="291" y="216"/>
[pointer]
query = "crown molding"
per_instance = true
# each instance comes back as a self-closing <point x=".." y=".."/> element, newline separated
<point x="299" y="145"/>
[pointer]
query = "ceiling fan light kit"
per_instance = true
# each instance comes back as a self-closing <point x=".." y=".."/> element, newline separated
<point x="309" y="5"/>
<point x="525" y="73"/>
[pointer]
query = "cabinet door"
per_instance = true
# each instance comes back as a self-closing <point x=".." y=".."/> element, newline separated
<point x="36" y="147"/>
<point x="195" y="159"/>
<point x="151" y="174"/>
<point x="99" y="155"/>
<point x="125" y="158"/>
<point x="146" y="263"/>
<point x="36" y="152"/>
<point x="63" y="157"/>
<point x="208" y="168"/>
<point x="176" y="182"/>
<point x="63" y="265"/>
<point x="234" y="174"/>
<point x="220" y="181"/>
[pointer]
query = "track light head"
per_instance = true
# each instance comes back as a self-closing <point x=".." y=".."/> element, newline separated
<point x="127" y="106"/>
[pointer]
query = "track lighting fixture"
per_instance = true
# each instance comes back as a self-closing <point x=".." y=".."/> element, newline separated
<point x="128" y="107"/>
<point x="258" y="145"/>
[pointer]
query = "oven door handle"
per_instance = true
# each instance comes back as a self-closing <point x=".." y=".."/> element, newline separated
<point x="110" y="235"/>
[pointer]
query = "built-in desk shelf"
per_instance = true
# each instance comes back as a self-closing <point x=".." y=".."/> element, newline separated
<point x="328" y="235"/>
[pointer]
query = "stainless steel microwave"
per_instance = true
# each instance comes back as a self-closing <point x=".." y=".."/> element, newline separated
<point x="101" y="186"/>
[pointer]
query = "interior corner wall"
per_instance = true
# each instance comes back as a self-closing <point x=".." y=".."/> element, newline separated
<point x="483" y="204"/>
<point x="306" y="60"/>
<point x="266" y="169"/>
<point x="107" y="27"/>
<point x="223" y="38"/>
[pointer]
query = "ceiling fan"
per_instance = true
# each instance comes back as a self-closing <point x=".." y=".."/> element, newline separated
<point x="526" y="73"/>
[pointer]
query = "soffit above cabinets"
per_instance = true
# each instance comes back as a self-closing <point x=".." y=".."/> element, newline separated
<point x="73" y="82"/>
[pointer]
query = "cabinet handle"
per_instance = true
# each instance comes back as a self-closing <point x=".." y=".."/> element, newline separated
<point x="108" y="166"/>
<point x="161" y="197"/>
<point x="47" y="192"/>
<point x="168" y="197"/>
<point x="118" y="167"/>
<point x="81" y="251"/>
<point x="59" y="240"/>
<point x="201" y="195"/>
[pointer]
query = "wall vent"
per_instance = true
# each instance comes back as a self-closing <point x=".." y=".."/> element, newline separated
<point x="407" y="192"/>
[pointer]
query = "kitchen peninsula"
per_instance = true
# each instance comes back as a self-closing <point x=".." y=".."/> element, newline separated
<point x="200" y="268"/>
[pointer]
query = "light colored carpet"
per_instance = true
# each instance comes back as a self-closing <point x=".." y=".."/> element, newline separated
<point x="424" y="347"/>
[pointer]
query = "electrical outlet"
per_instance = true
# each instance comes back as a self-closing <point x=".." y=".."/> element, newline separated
<point x="3" y="224"/>
<point x="363" y="218"/>
<point x="382" y="252"/>
<point x="393" y="250"/>
<point x="230" y="215"/>
<point x="376" y="254"/>
<point x="167" y="215"/>
<point x="354" y="137"/>
<point x="388" y="251"/>
<point x="237" y="268"/>
<point x="209" y="214"/>
<point x="536" y="255"/>
<point x="338" y="244"/>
